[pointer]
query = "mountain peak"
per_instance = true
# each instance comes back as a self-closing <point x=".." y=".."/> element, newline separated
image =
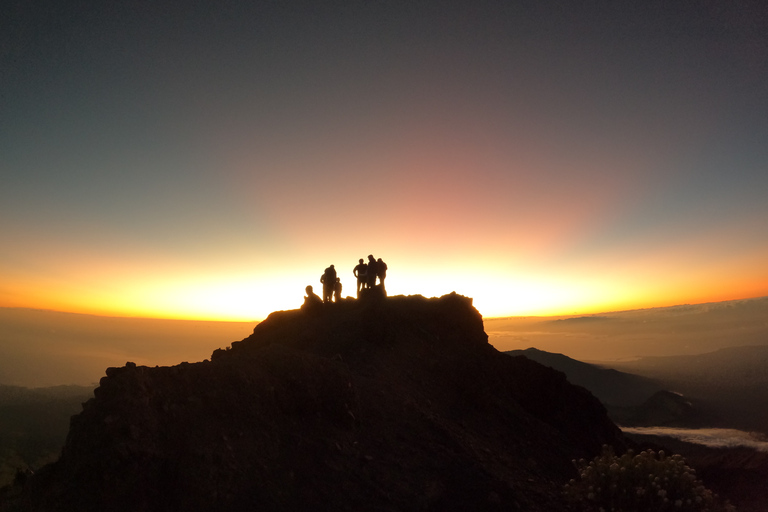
<point x="386" y="404"/>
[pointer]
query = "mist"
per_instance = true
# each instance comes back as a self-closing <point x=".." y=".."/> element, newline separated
<point x="47" y="348"/>
<point x="711" y="437"/>
<point x="626" y="335"/>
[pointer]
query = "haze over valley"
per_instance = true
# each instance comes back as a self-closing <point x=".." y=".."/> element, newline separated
<point x="624" y="335"/>
<point x="49" y="348"/>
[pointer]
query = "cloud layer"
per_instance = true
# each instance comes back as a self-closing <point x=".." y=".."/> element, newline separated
<point x="712" y="437"/>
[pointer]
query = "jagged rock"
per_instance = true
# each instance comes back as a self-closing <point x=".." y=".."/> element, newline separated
<point x="391" y="404"/>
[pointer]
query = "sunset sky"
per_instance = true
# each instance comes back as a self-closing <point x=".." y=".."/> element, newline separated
<point x="207" y="160"/>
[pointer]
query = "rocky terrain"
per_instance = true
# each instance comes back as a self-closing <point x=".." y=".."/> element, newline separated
<point x="379" y="404"/>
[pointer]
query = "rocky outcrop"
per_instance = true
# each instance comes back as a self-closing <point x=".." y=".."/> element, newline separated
<point x="388" y="404"/>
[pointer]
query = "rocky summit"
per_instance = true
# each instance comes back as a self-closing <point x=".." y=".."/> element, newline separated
<point x="380" y="404"/>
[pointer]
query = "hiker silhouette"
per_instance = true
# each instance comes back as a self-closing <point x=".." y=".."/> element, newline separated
<point x="381" y="272"/>
<point x="371" y="271"/>
<point x="312" y="300"/>
<point x="337" y="290"/>
<point x="329" y="283"/>
<point x="360" y="273"/>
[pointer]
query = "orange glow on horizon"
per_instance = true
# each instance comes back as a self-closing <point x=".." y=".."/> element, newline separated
<point x="517" y="270"/>
<point x="252" y="297"/>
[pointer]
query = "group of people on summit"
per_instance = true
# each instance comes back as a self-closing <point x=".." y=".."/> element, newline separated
<point x="366" y="274"/>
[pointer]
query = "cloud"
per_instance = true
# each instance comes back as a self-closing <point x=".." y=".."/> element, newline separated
<point x="712" y="437"/>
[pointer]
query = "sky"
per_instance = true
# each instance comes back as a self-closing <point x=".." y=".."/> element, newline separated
<point x="207" y="160"/>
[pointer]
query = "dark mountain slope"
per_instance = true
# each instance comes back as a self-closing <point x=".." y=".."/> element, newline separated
<point x="396" y="404"/>
<point x="610" y="386"/>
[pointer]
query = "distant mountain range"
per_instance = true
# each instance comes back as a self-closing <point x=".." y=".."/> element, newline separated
<point x="610" y="386"/>
<point x="631" y="400"/>
<point x="725" y="388"/>
<point x="731" y="383"/>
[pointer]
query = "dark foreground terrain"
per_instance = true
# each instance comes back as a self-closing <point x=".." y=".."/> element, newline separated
<point x="740" y="474"/>
<point x="34" y="424"/>
<point x="382" y="404"/>
<point x="727" y="390"/>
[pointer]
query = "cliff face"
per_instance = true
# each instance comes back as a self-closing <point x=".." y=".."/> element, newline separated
<point x="396" y="404"/>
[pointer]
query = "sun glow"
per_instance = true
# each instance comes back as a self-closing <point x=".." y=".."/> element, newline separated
<point x="495" y="282"/>
<point x="246" y="298"/>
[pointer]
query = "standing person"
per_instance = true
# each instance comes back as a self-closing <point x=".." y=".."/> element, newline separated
<point x="371" y="272"/>
<point x="329" y="283"/>
<point x="359" y="271"/>
<point x="381" y="271"/>
<point x="337" y="291"/>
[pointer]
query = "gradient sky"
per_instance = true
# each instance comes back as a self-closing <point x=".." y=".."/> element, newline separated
<point x="192" y="159"/>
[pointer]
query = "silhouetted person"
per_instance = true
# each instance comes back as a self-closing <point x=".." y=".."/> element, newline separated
<point x="312" y="300"/>
<point x="337" y="290"/>
<point x="371" y="272"/>
<point x="360" y="271"/>
<point x="381" y="271"/>
<point x="329" y="283"/>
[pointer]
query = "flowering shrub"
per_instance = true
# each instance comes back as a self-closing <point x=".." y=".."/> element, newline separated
<point x="648" y="481"/>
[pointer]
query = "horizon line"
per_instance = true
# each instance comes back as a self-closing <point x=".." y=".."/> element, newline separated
<point x="187" y="319"/>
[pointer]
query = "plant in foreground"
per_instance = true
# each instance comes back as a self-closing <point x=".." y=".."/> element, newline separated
<point x="647" y="481"/>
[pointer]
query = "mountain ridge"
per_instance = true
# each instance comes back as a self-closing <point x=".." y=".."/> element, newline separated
<point x="371" y="404"/>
